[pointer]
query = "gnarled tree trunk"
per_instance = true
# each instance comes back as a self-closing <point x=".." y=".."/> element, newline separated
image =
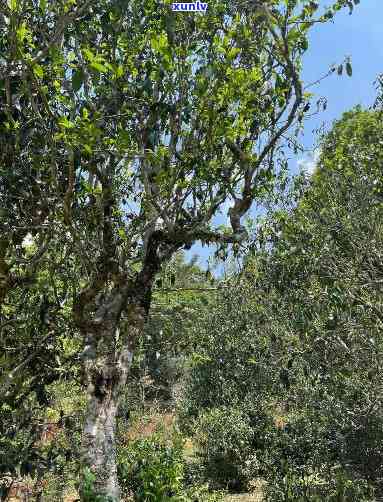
<point x="106" y="363"/>
<point x="108" y="355"/>
<point x="98" y="443"/>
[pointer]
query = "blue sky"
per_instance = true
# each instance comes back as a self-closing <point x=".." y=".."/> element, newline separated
<point x="360" y="36"/>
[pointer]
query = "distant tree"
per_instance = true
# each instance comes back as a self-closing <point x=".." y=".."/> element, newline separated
<point x="180" y="295"/>
<point x="306" y="342"/>
<point x="328" y="269"/>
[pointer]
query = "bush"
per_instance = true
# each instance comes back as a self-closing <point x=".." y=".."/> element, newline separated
<point x="329" y="484"/>
<point x="224" y="439"/>
<point x="305" y="461"/>
<point x="87" y="489"/>
<point x="201" y="493"/>
<point x="151" y="469"/>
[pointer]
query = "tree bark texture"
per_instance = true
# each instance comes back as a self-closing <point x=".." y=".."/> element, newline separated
<point x="108" y="354"/>
<point x="107" y="359"/>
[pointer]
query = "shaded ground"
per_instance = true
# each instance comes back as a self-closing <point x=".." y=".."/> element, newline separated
<point x="245" y="497"/>
<point x="255" y="496"/>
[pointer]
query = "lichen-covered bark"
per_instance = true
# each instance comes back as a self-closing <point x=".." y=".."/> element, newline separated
<point x="108" y="355"/>
<point x="106" y="372"/>
<point x="99" y="444"/>
<point x="107" y="359"/>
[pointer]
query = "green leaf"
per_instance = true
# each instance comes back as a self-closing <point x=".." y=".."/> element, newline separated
<point x="22" y="32"/>
<point x="43" y="5"/>
<point x="293" y="35"/>
<point x="122" y="233"/>
<point x="233" y="52"/>
<point x="304" y="44"/>
<point x="88" y="54"/>
<point x="98" y="67"/>
<point x="12" y="4"/>
<point x="65" y="123"/>
<point x="77" y="80"/>
<point x="119" y="71"/>
<point x="159" y="42"/>
<point x="340" y="69"/>
<point x="38" y="71"/>
<point x="349" y="69"/>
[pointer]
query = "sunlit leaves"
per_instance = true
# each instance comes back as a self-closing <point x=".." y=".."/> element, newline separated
<point x="96" y="62"/>
<point x="43" y="5"/>
<point x="13" y="4"/>
<point x="65" y="123"/>
<point x="159" y="42"/>
<point x="38" y="70"/>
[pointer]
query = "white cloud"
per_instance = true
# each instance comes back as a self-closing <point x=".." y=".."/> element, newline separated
<point x="309" y="164"/>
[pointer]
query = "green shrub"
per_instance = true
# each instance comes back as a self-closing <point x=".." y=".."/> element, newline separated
<point x="87" y="490"/>
<point x="151" y="469"/>
<point x="224" y="439"/>
<point x="302" y="461"/>
<point x="201" y="493"/>
<point x="329" y="484"/>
